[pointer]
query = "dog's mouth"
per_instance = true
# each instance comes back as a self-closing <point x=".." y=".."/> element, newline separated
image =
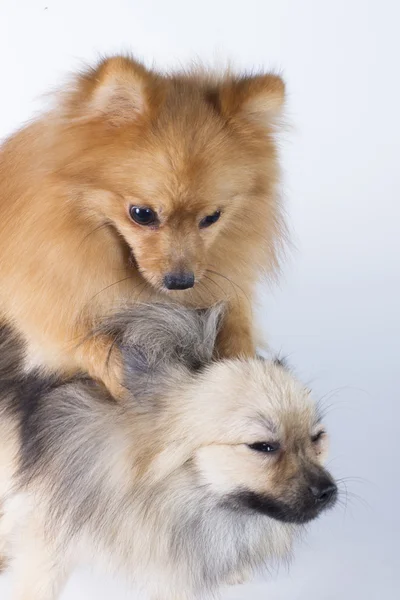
<point x="300" y="512"/>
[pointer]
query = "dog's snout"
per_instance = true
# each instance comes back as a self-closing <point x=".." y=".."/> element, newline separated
<point x="323" y="491"/>
<point x="179" y="281"/>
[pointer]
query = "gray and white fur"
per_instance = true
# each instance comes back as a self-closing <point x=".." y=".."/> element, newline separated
<point x="203" y="474"/>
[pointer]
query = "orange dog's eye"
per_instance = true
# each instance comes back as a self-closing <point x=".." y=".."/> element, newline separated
<point x="142" y="215"/>
<point x="210" y="219"/>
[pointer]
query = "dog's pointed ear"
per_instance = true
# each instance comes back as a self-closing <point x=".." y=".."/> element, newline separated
<point x="119" y="90"/>
<point x="162" y="343"/>
<point x="258" y="98"/>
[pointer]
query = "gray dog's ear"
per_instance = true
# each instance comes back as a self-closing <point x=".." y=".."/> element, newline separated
<point x="160" y="340"/>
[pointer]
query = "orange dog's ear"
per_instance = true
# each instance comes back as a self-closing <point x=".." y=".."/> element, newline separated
<point x="258" y="98"/>
<point x="119" y="90"/>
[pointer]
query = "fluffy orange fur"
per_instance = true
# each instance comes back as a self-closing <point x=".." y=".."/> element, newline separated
<point x="183" y="145"/>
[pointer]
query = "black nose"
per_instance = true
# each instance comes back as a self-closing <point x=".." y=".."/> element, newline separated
<point x="324" y="491"/>
<point x="179" y="281"/>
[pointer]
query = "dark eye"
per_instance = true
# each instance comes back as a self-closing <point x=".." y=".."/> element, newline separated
<point x="142" y="215"/>
<point x="210" y="219"/>
<point x="266" y="447"/>
<point x="317" y="437"/>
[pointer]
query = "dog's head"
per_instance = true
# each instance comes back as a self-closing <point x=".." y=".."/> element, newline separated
<point x="265" y="444"/>
<point x="185" y="160"/>
<point x="246" y="430"/>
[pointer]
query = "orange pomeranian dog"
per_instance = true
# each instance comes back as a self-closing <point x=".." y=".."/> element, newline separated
<point x="138" y="186"/>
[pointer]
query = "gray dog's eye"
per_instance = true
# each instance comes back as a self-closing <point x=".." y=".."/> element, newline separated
<point x="266" y="447"/>
<point x="317" y="437"/>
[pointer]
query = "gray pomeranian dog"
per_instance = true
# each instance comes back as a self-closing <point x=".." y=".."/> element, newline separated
<point x="204" y="472"/>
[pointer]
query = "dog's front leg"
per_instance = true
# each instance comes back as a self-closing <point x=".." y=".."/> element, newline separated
<point x="236" y="337"/>
<point x="39" y="570"/>
<point x="100" y="358"/>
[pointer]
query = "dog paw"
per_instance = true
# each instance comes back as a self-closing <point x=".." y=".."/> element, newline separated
<point x="238" y="578"/>
<point x="3" y="563"/>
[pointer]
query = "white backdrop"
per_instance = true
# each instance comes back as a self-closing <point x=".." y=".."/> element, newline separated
<point x="336" y="309"/>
